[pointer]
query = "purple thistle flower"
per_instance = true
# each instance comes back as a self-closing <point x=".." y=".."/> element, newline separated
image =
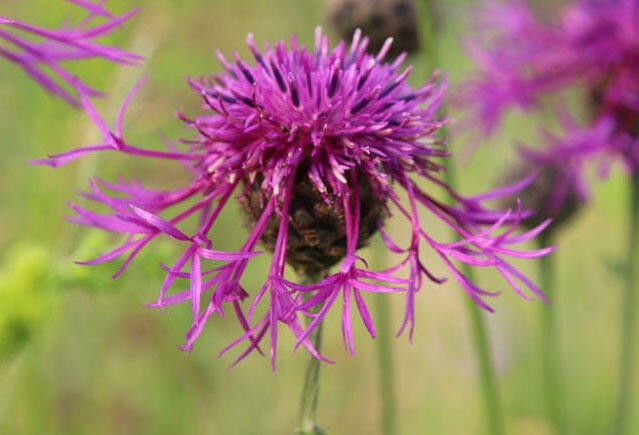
<point x="305" y="136"/>
<point x="559" y="188"/>
<point x="526" y="58"/>
<point x="41" y="52"/>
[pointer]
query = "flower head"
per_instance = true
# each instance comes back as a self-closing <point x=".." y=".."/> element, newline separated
<point x="317" y="144"/>
<point x="558" y="189"/>
<point x="42" y="52"/>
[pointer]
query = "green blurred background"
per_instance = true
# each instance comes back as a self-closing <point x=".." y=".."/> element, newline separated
<point x="93" y="360"/>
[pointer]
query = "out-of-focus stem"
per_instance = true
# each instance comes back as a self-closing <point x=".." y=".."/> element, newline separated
<point x="10" y="368"/>
<point x="629" y="315"/>
<point x="384" y="351"/>
<point x="550" y="349"/>
<point x="310" y="390"/>
<point x="487" y="379"/>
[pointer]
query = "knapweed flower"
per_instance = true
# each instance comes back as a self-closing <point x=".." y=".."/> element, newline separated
<point x="317" y="144"/>
<point x="42" y="52"/>
<point x="558" y="189"/>
<point x="528" y="57"/>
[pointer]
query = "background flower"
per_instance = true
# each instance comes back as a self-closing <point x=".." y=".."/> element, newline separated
<point x="529" y="56"/>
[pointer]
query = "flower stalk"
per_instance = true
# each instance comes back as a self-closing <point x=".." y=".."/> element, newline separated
<point x="550" y="349"/>
<point x="385" y="352"/>
<point x="310" y="390"/>
<point x="628" y="318"/>
<point x="487" y="380"/>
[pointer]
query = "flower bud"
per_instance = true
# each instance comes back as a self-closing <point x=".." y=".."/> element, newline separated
<point x="379" y="20"/>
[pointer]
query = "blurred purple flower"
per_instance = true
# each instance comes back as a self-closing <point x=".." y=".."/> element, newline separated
<point x="41" y="52"/>
<point x="559" y="187"/>
<point x="339" y="123"/>
<point x="526" y="57"/>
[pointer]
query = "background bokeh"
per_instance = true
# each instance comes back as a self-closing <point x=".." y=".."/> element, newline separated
<point x="94" y="360"/>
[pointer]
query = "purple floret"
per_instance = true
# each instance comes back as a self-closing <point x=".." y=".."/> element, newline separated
<point x="42" y="52"/>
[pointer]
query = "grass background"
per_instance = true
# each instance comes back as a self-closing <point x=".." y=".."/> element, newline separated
<point x="102" y="363"/>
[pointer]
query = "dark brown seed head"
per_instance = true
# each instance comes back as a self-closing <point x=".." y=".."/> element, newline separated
<point x="317" y="230"/>
<point x="379" y="20"/>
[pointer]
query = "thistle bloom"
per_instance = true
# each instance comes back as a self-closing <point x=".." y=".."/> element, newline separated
<point x="317" y="145"/>
<point x="41" y="52"/>
<point x="559" y="188"/>
<point x="592" y="45"/>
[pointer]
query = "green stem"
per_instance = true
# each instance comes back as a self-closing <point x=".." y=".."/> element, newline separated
<point x="310" y="390"/>
<point x="487" y="378"/>
<point x="628" y="319"/>
<point x="8" y="382"/>
<point x="384" y="351"/>
<point x="552" y="367"/>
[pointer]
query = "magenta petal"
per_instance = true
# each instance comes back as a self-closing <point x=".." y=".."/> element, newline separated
<point x="64" y="158"/>
<point x="42" y="52"/>
<point x="196" y="286"/>
<point x="159" y="223"/>
<point x="364" y="313"/>
<point x="226" y="256"/>
<point x="115" y="253"/>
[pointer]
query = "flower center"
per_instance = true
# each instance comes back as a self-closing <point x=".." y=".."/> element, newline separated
<point x="316" y="228"/>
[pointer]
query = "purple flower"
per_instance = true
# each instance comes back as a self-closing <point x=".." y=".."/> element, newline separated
<point x="318" y="145"/>
<point x="527" y="57"/>
<point x="42" y="52"/>
<point x="559" y="187"/>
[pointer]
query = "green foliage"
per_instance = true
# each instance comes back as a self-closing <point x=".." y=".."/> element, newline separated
<point x="69" y="275"/>
<point x="32" y="280"/>
<point x="25" y="296"/>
